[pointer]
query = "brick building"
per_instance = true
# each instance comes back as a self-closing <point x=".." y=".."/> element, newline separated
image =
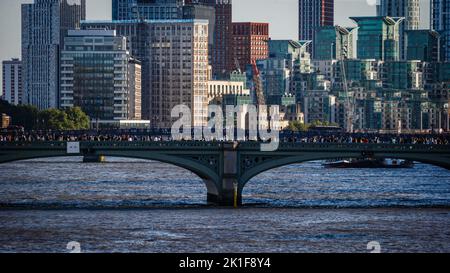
<point x="250" y="42"/>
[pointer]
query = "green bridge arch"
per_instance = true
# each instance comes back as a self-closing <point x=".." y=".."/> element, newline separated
<point x="292" y="157"/>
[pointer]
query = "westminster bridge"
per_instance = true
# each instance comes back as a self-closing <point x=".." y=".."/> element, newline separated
<point x="225" y="167"/>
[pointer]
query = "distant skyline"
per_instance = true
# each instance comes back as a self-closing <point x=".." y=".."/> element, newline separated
<point x="281" y="14"/>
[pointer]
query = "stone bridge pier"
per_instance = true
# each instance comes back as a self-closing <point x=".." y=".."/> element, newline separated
<point x="228" y="191"/>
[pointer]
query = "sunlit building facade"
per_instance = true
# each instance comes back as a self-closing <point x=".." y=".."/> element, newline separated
<point x="378" y="38"/>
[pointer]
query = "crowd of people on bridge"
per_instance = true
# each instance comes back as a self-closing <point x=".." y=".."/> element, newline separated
<point x="297" y="137"/>
<point x="373" y="139"/>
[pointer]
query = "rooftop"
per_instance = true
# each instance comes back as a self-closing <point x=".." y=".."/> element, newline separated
<point x="174" y="21"/>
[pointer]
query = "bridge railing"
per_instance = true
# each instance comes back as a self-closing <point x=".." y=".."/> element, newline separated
<point x="292" y="146"/>
<point x="115" y="144"/>
<point x="286" y="146"/>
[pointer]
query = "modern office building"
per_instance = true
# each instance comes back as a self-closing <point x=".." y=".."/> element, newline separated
<point x="440" y="21"/>
<point x="250" y="43"/>
<point x="313" y="14"/>
<point x="378" y="37"/>
<point x="333" y="43"/>
<point x="99" y="75"/>
<point x="45" y="23"/>
<point x="147" y="9"/>
<point x="424" y="45"/>
<point x="174" y="56"/>
<point x="409" y="9"/>
<point x="12" y="81"/>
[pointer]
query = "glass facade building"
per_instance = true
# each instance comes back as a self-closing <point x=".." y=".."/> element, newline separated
<point x="440" y="21"/>
<point x="402" y="74"/>
<point x="409" y="9"/>
<point x="99" y="75"/>
<point x="333" y="43"/>
<point x="423" y="45"/>
<point x="378" y="38"/>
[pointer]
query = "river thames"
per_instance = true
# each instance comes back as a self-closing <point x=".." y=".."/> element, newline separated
<point x="141" y="206"/>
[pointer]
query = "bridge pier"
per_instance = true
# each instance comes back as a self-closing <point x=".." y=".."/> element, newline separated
<point x="229" y="195"/>
<point x="228" y="192"/>
<point x="92" y="158"/>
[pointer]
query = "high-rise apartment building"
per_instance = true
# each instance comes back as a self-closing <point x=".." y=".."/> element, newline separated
<point x="203" y="12"/>
<point x="250" y="43"/>
<point x="333" y="43"/>
<point x="423" y="45"/>
<point x="378" y="37"/>
<point x="99" y="75"/>
<point x="409" y="9"/>
<point x="222" y="55"/>
<point x="45" y="23"/>
<point x="440" y="21"/>
<point x="217" y="12"/>
<point x="174" y="56"/>
<point x="287" y="58"/>
<point x="313" y="14"/>
<point x="12" y="81"/>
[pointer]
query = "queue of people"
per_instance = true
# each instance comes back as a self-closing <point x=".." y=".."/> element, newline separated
<point x="345" y="138"/>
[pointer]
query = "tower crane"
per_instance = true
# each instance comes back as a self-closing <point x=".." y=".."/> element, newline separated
<point x="259" y="89"/>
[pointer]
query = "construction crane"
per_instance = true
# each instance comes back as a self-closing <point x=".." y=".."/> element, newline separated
<point x="259" y="89"/>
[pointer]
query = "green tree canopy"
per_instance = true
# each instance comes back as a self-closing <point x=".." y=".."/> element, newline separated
<point x="297" y="126"/>
<point x="52" y="119"/>
<point x="78" y="119"/>
<point x="22" y="115"/>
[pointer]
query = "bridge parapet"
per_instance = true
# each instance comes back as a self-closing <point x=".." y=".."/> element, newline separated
<point x="290" y="146"/>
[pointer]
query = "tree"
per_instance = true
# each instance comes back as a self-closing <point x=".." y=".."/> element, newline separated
<point x="77" y="118"/>
<point x="322" y="123"/>
<point x="52" y="119"/>
<point x="22" y="115"/>
<point x="297" y="126"/>
<point x="70" y="119"/>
